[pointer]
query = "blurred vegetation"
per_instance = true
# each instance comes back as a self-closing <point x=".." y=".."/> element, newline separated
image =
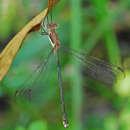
<point x="98" y="27"/>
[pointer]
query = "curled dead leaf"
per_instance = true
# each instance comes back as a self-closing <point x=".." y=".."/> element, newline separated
<point x="51" y="3"/>
<point x="10" y="51"/>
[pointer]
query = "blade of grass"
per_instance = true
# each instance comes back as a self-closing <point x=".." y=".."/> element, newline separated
<point x="102" y="11"/>
<point x="108" y="21"/>
<point x="76" y="26"/>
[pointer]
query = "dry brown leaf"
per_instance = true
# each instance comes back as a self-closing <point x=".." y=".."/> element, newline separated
<point x="10" y="51"/>
<point x="51" y="3"/>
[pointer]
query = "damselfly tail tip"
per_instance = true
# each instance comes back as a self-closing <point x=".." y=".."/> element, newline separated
<point x="65" y="122"/>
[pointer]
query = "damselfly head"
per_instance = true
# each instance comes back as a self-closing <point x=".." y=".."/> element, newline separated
<point x="52" y="26"/>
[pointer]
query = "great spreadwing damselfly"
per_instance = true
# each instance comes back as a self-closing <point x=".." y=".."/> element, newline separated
<point x="95" y="68"/>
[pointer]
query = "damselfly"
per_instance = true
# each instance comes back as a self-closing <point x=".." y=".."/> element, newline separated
<point x="96" y="68"/>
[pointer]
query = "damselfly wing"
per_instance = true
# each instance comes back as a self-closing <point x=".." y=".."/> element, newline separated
<point x="94" y="67"/>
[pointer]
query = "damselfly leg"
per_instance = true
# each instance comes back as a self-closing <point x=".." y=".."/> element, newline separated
<point x="42" y="29"/>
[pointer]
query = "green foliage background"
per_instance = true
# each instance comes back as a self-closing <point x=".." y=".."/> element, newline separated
<point x="88" y="25"/>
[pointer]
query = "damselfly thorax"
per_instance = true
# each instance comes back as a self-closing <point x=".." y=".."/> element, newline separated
<point x="53" y="37"/>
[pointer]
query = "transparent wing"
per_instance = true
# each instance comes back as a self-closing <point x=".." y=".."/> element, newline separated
<point x="96" y="68"/>
<point x="25" y="89"/>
